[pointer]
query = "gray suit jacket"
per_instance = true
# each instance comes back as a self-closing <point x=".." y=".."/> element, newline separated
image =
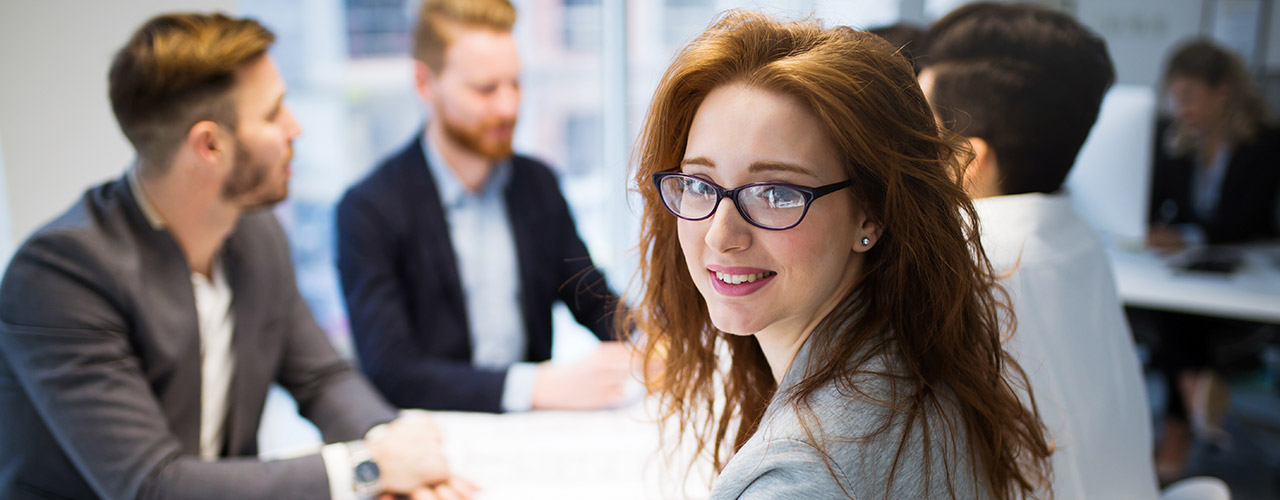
<point x="852" y="448"/>
<point x="100" y="363"/>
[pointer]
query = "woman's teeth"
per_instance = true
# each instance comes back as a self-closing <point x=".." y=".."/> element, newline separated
<point x="734" y="279"/>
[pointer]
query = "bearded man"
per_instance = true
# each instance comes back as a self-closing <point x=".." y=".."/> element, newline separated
<point x="453" y="250"/>
<point x="141" y="329"/>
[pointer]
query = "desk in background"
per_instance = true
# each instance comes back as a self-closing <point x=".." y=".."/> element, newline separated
<point x="1146" y="279"/>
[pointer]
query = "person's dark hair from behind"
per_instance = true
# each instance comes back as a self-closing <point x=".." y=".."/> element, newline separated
<point x="1026" y="79"/>
<point x="906" y="36"/>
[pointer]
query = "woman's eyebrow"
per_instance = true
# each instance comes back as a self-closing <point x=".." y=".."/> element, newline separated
<point x="698" y="160"/>
<point x="778" y="166"/>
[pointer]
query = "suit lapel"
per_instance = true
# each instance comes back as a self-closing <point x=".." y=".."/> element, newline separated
<point x="169" y="305"/>
<point x="523" y="233"/>
<point x="251" y="308"/>
<point x="1235" y="181"/>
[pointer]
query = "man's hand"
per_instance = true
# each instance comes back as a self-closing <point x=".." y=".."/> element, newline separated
<point x="455" y="488"/>
<point x="593" y="383"/>
<point x="409" y="454"/>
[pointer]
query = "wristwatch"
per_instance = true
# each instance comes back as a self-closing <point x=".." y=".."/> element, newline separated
<point x="367" y="477"/>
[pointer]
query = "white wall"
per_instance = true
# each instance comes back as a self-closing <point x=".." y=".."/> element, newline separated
<point x="1140" y="33"/>
<point x="59" y="134"/>
<point x="6" y="227"/>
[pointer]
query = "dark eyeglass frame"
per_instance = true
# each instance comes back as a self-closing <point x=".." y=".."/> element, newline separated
<point x="809" y="193"/>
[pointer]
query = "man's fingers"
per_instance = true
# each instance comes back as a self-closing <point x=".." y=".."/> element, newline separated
<point x="424" y="494"/>
<point x="463" y="485"/>
<point x="446" y="492"/>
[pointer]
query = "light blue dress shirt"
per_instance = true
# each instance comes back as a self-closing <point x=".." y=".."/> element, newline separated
<point x="490" y="274"/>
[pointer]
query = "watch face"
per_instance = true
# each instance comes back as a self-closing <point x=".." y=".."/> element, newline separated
<point x="367" y="472"/>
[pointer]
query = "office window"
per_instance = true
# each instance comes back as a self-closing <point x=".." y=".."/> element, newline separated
<point x="377" y="27"/>
<point x="583" y="143"/>
<point x="582" y="25"/>
<point x="684" y="19"/>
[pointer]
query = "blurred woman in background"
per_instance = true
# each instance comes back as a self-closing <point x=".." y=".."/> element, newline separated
<point x="1215" y="180"/>
<point x="1217" y="166"/>
<point x="803" y="216"/>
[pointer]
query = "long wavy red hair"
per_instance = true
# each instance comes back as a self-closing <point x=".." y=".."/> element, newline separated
<point x="928" y="297"/>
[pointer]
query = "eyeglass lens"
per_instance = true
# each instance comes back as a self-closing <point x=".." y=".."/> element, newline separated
<point x="767" y="205"/>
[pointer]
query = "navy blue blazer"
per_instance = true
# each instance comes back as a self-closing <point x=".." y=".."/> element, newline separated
<point x="404" y="297"/>
<point x="1247" y="204"/>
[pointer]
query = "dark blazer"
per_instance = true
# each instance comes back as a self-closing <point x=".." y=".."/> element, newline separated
<point x="100" y="365"/>
<point x="1247" y="203"/>
<point x="404" y="297"/>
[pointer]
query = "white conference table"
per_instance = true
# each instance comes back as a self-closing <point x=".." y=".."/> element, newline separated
<point x="1144" y="278"/>
<point x="565" y="455"/>
<point x="568" y="455"/>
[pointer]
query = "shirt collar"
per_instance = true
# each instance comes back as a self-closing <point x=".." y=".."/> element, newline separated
<point x="451" y="190"/>
<point x="217" y="279"/>
<point x="149" y="211"/>
<point x="1019" y="213"/>
<point x="1009" y="222"/>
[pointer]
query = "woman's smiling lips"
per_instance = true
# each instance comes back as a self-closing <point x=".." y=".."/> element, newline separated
<point x="738" y="281"/>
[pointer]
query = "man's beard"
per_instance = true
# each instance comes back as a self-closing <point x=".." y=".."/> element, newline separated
<point x="247" y="180"/>
<point x="474" y="141"/>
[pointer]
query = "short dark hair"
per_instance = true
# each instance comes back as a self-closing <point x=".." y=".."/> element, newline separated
<point x="1026" y="79"/>
<point x="176" y="70"/>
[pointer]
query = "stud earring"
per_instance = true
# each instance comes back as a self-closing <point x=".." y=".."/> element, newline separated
<point x="866" y="241"/>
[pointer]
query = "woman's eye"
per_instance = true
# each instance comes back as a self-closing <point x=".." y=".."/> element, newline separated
<point x="781" y="197"/>
<point x="698" y="188"/>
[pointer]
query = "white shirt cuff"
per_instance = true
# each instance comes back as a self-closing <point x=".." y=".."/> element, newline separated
<point x="517" y="394"/>
<point x="337" y="463"/>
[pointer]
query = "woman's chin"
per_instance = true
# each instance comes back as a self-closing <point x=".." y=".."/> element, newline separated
<point x="734" y="325"/>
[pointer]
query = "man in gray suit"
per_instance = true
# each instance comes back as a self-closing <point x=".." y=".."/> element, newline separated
<point x="140" y="330"/>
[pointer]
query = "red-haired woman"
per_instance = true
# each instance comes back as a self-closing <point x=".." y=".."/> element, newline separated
<point x="802" y="214"/>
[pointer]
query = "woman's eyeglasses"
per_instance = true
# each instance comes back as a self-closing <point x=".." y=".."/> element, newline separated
<point x="766" y="205"/>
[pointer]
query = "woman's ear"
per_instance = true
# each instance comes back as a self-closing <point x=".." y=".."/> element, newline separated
<point x="868" y="234"/>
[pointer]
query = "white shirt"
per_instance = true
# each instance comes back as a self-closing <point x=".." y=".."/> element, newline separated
<point x="217" y="362"/>
<point x="1073" y="341"/>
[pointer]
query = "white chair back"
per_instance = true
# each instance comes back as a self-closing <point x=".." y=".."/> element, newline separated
<point x="1197" y="488"/>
